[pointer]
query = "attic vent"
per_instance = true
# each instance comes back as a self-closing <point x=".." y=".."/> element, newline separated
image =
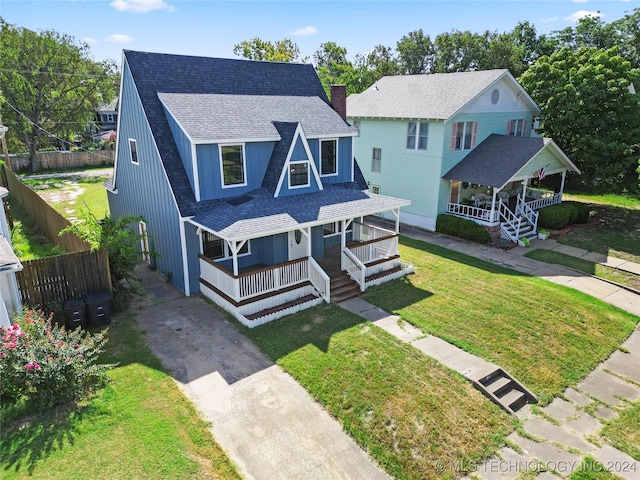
<point x="495" y="96"/>
<point x="239" y="200"/>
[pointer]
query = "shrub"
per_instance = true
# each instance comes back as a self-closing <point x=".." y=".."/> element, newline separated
<point x="463" y="228"/>
<point x="46" y="364"/>
<point x="566" y="213"/>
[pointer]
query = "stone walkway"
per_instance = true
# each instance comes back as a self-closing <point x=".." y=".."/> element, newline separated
<point x="555" y="441"/>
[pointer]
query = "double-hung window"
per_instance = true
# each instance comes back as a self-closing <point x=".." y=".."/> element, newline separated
<point x="328" y="157"/>
<point x="232" y="164"/>
<point x="299" y="174"/>
<point x="417" y="135"/>
<point x="516" y="128"/>
<point x="463" y="135"/>
<point x="376" y="160"/>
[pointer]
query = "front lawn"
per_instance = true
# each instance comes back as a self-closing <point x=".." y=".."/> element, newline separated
<point x="614" y="228"/>
<point x="404" y="408"/>
<point x="140" y="426"/>
<point x="623" y="432"/>
<point x="547" y="336"/>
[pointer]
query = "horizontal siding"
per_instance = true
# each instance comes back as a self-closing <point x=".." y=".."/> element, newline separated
<point x="411" y="174"/>
<point x="544" y="159"/>
<point x="143" y="189"/>
<point x="510" y="100"/>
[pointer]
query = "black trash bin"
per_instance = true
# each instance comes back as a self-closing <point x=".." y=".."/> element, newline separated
<point x="74" y="313"/>
<point x="98" y="308"/>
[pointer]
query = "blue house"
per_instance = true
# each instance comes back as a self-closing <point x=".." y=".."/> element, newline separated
<point x="245" y="175"/>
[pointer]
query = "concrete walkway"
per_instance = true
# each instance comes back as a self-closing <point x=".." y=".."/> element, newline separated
<point x="263" y="419"/>
<point x="562" y="433"/>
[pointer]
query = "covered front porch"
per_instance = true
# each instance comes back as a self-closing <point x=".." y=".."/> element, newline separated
<point x="500" y="183"/>
<point x="260" y="268"/>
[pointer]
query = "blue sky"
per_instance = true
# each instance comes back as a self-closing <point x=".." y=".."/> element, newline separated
<point x="212" y="28"/>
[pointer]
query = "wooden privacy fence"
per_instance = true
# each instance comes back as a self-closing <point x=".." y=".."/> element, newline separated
<point x="62" y="160"/>
<point x="56" y="279"/>
<point x="48" y="221"/>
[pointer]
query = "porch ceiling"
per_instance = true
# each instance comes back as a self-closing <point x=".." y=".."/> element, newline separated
<point x="498" y="159"/>
<point x="261" y="214"/>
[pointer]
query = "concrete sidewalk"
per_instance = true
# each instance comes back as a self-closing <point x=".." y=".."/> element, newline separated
<point x="262" y="418"/>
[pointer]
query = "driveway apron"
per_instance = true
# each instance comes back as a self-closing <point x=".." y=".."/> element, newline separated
<point x="264" y="420"/>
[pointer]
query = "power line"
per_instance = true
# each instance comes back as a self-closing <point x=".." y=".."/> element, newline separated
<point x="51" y="134"/>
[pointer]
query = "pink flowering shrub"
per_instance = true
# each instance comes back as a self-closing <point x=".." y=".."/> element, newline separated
<point x="46" y="364"/>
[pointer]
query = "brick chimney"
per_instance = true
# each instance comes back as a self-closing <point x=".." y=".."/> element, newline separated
<point x="339" y="100"/>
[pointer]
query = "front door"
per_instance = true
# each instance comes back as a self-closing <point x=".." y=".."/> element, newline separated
<point x="455" y="191"/>
<point x="297" y="245"/>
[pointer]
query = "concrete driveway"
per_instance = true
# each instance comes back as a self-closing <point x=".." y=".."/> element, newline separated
<point x="267" y="423"/>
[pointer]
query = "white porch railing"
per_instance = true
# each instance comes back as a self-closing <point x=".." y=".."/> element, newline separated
<point x="354" y="267"/>
<point x="363" y="232"/>
<point x="319" y="279"/>
<point x="375" y="249"/>
<point x="528" y="213"/>
<point x="266" y="280"/>
<point x="473" y="213"/>
<point x="545" y="201"/>
<point x="511" y="220"/>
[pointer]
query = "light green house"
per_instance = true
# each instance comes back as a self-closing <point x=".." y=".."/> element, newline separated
<point x="458" y="143"/>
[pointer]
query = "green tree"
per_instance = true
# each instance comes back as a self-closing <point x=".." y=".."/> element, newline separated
<point x="258" y="49"/>
<point x="589" y="111"/>
<point x="415" y="53"/>
<point x="50" y="84"/>
<point x="458" y="51"/>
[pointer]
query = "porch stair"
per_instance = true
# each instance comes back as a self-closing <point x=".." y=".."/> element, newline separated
<point x="504" y="390"/>
<point x="343" y="287"/>
<point x="526" y="231"/>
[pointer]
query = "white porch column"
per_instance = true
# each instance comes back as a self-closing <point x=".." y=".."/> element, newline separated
<point x="343" y="241"/>
<point x="493" y="205"/>
<point x="396" y="213"/>
<point x="564" y="176"/>
<point x="308" y="234"/>
<point x="234" y="253"/>
<point x="524" y="188"/>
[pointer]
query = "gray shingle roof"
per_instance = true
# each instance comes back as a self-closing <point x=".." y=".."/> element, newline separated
<point x="435" y="96"/>
<point x="286" y="130"/>
<point x="262" y="214"/>
<point x="8" y="259"/>
<point x="220" y="117"/>
<point x="498" y="158"/>
<point x="154" y="73"/>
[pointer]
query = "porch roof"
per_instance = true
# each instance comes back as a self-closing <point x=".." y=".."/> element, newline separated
<point x="259" y="214"/>
<point x="499" y="158"/>
<point x="8" y="260"/>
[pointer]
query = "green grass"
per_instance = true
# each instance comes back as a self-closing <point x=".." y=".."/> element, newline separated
<point x="140" y="426"/>
<point x="614" y="228"/>
<point x="546" y="335"/>
<point x="602" y="271"/>
<point x="28" y="243"/>
<point x="623" y="432"/>
<point x="74" y="193"/>
<point x="404" y="408"/>
<point x="591" y="469"/>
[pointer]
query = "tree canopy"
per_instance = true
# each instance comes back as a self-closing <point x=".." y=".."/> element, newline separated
<point x="589" y="111"/>
<point x="258" y="49"/>
<point x="50" y="85"/>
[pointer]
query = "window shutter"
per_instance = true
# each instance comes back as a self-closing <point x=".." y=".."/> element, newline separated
<point x="454" y="131"/>
<point x="475" y="134"/>
<point x="508" y="127"/>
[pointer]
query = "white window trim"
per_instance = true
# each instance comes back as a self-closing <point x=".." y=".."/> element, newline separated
<point x="519" y="122"/>
<point x="379" y="171"/>
<point x="373" y="187"/>
<point x="320" y="157"/>
<point x="416" y="142"/>
<point x="299" y="162"/>
<point x="244" y="165"/>
<point x="463" y="136"/>
<point x="227" y="248"/>
<point x="336" y="229"/>
<point x="137" y="160"/>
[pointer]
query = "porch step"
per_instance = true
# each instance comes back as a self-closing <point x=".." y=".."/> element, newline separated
<point x="504" y="390"/>
<point x="525" y="231"/>
<point x="343" y="288"/>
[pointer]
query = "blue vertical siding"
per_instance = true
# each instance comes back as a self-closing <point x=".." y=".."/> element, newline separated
<point x="143" y="189"/>
<point x="184" y="147"/>
<point x="193" y="250"/>
<point x="269" y="251"/>
<point x="345" y="160"/>
<point x="209" y="175"/>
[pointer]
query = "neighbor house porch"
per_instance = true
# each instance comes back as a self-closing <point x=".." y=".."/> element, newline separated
<point x="494" y="184"/>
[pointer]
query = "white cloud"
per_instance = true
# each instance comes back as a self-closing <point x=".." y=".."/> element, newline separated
<point x="580" y="1"/>
<point x="141" y="6"/>
<point x="574" y="17"/>
<point x="119" y="38"/>
<point x="305" y="31"/>
<point x="549" y="19"/>
<point x="89" y="40"/>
